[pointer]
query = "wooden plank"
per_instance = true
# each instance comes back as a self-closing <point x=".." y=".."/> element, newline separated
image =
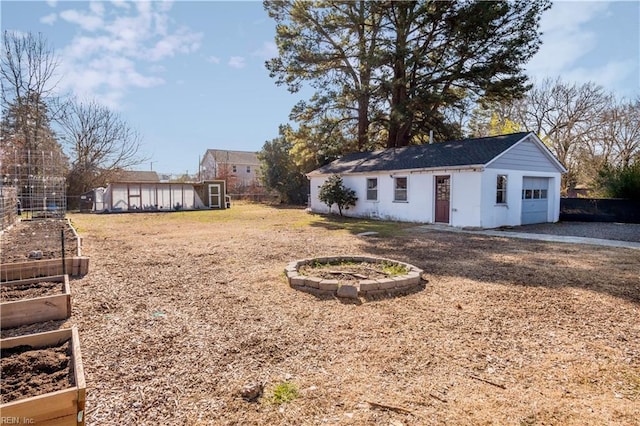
<point x="53" y="278"/>
<point x="42" y="268"/>
<point x="78" y="366"/>
<point x="60" y="408"/>
<point x="38" y="340"/>
<point x="85" y="266"/>
<point x="37" y="309"/>
<point x="78" y="237"/>
<point x="44" y="407"/>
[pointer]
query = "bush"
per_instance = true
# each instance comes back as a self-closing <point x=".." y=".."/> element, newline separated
<point x="620" y="182"/>
<point x="334" y="192"/>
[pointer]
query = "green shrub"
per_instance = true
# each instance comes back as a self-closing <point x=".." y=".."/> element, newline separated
<point x="620" y="182"/>
<point x="334" y="192"/>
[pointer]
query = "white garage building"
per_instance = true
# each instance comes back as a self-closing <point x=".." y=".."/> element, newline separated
<point x="505" y="180"/>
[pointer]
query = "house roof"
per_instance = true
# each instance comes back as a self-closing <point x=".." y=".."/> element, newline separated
<point x="234" y="157"/>
<point x="459" y="153"/>
<point x="136" y="176"/>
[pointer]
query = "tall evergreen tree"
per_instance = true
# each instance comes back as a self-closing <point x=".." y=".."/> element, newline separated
<point x="398" y="70"/>
<point x="280" y="173"/>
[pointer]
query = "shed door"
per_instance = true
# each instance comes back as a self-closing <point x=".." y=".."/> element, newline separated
<point x="443" y="191"/>
<point x="215" y="199"/>
<point x="535" y="200"/>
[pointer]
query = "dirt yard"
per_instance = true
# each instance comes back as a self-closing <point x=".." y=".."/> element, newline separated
<point x="36" y="239"/>
<point x="28" y="372"/>
<point x="182" y="310"/>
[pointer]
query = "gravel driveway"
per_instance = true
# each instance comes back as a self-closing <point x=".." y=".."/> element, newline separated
<point x="603" y="230"/>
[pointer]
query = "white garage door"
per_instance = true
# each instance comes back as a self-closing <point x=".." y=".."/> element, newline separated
<point x="535" y="200"/>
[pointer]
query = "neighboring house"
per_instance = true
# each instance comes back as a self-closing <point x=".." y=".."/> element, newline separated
<point x="238" y="168"/>
<point x="506" y="180"/>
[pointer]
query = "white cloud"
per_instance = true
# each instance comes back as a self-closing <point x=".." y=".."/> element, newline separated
<point x="120" y="46"/>
<point x="49" y="19"/>
<point x="236" y="62"/>
<point x="88" y="22"/>
<point x="120" y="3"/>
<point x="97" y="8"/>
<point x="52" y="3"/>
<point x="213" y="59"/>
<point x="608" y="75"/>
<point x="268" y="50"/>
<point x="182" y="41"/>
<point x="565" y="38"/>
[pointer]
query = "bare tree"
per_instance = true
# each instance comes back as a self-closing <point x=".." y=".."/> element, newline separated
<point x="618" y="136"/>
<point x="30" y="155"/>
<point x="27" y="82"/>
<point x="566" y="116"/>
<point x="100" y="144"/>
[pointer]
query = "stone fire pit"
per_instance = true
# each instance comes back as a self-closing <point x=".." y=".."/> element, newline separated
<point x="315" y="276"/>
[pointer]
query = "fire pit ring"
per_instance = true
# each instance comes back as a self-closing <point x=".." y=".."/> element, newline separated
<point x="353" y="289"/>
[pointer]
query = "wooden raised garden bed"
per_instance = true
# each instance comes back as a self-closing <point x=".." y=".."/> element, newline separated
<point x="34" y="300"/>
<point x="53" y="361"/>
<point x="36" y="248"/>
<point x="74" y="266"/>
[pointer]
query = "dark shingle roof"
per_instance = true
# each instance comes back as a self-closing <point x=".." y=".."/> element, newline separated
<point x="464" y="152"/>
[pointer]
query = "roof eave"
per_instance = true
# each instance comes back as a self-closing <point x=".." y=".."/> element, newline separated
<point x="315" y="173"/>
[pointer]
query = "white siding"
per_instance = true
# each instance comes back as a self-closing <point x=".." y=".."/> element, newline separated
<point x="466" y="199"/>
<point x="509" y="214"/>
<point x="419" y="207"/>
<point x="525" y="156"/>
<point x="473" y="197"/>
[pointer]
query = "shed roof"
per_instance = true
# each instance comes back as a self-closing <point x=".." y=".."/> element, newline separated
<point x="136" y="176"/>
<point x="234" y="157"/>
<point x="458" y="153"/>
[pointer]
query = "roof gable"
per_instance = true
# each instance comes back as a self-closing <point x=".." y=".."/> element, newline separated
<point x="233" y="157"/>
<point x="528" y="154"/>
<point x="460" y="153"/>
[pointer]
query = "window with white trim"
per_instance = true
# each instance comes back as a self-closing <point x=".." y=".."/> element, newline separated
<point x="501" y="189"/>
<point x="372" y="189"/>
<point x="400" y="189"/>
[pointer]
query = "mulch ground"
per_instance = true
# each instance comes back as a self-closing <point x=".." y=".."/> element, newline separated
<point x="181" y="311"/>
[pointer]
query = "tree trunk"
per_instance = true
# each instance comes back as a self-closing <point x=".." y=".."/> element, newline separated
<point x="400" y="116"/>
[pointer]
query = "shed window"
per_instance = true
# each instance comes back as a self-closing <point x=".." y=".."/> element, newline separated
<point x="501" y="189"/>
<point x="372" y="189"/>
<point x="234" y="168"/>
<point x="400" y="189"/>
<point x="248" y="169"/>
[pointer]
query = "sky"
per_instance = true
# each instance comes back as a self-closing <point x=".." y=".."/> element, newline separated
<point x="190" y="76"/>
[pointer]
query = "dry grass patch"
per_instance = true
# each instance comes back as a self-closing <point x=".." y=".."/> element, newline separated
<point x="181" y="310"/>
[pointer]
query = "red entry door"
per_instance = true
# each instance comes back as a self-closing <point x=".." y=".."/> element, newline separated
<point x="443" y="191"/>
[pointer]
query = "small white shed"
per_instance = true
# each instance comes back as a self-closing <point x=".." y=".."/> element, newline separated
<point x="506" y="180"/>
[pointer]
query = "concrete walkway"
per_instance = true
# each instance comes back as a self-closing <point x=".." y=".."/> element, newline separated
<point x="539" y="237"/>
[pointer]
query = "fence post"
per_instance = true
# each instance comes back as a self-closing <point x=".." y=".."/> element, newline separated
<point x="64" y="263"/>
